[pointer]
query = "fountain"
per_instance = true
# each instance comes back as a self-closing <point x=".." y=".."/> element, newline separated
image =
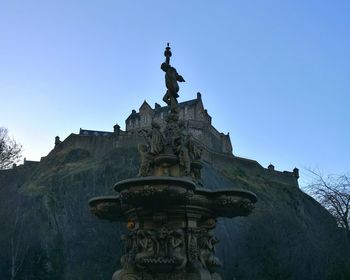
<point x="169" y="215"/>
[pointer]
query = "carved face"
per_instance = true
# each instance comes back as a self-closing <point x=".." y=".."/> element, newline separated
<point x="161" y="250"/>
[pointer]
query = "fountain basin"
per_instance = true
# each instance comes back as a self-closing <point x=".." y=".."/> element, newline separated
<point x="143" y="196"/>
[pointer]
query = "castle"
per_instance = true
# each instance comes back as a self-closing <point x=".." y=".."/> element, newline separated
<point x="192" y="112"/>
<point x="194" y="118"/>
<point x="197" y="120"/>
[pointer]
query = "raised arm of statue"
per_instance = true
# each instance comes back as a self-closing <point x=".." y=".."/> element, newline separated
<point x="179" y="78"/>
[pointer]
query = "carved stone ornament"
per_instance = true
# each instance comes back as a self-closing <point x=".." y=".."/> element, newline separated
<point x="169" y="216"/>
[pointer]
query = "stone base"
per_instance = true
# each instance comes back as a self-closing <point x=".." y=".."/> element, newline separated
<point x="192" y="272"/>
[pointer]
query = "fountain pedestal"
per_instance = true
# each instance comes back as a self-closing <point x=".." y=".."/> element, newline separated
<point x="170" y="222"/>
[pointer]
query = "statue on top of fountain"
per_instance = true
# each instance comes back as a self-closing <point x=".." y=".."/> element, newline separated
<point x="171" y="79"/>
<point x="170" y="151"/>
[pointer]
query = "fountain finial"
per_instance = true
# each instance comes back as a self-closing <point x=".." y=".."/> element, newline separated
<point x="167" y="54"/>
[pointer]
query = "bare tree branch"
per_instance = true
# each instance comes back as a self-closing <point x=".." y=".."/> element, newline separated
<point x="10" y="150"/>
<point x="333" y="193"/>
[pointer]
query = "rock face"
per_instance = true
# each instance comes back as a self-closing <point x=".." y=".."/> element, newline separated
<point x="48" y="232"/>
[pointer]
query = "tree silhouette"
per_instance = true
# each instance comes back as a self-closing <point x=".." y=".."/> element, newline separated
<point x="333" y="193"/>
<point x="10" y="150"/>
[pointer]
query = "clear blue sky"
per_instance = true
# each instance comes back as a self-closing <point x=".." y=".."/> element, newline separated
<point x="275" y="74"/>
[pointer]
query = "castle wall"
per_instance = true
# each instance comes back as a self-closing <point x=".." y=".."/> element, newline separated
<point x="96" y="145"/>
<point x="244" y="168"/>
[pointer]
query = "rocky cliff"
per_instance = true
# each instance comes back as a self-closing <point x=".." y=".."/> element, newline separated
<point x="48" y="232"/>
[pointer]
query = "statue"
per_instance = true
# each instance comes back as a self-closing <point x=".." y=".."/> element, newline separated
<point x="184" y="157"/>
<point x="207" y="257"/>
<point x="155" y="145"/>
<point x="171" y="79"/>
<point x="146" y="160"/>
<point x="196" y="165"/>
<point x="182" y="143"/>
<point x="157" y="142"/>
<point x="154" y="138"/>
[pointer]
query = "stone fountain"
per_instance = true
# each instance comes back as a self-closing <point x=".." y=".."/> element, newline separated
<point x="169" y="215"/>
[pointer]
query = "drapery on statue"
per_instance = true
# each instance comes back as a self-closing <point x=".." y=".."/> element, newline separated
<point x="171" y="79"/>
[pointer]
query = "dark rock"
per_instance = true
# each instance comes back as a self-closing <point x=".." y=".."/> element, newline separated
<point x="288" y="236"/>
